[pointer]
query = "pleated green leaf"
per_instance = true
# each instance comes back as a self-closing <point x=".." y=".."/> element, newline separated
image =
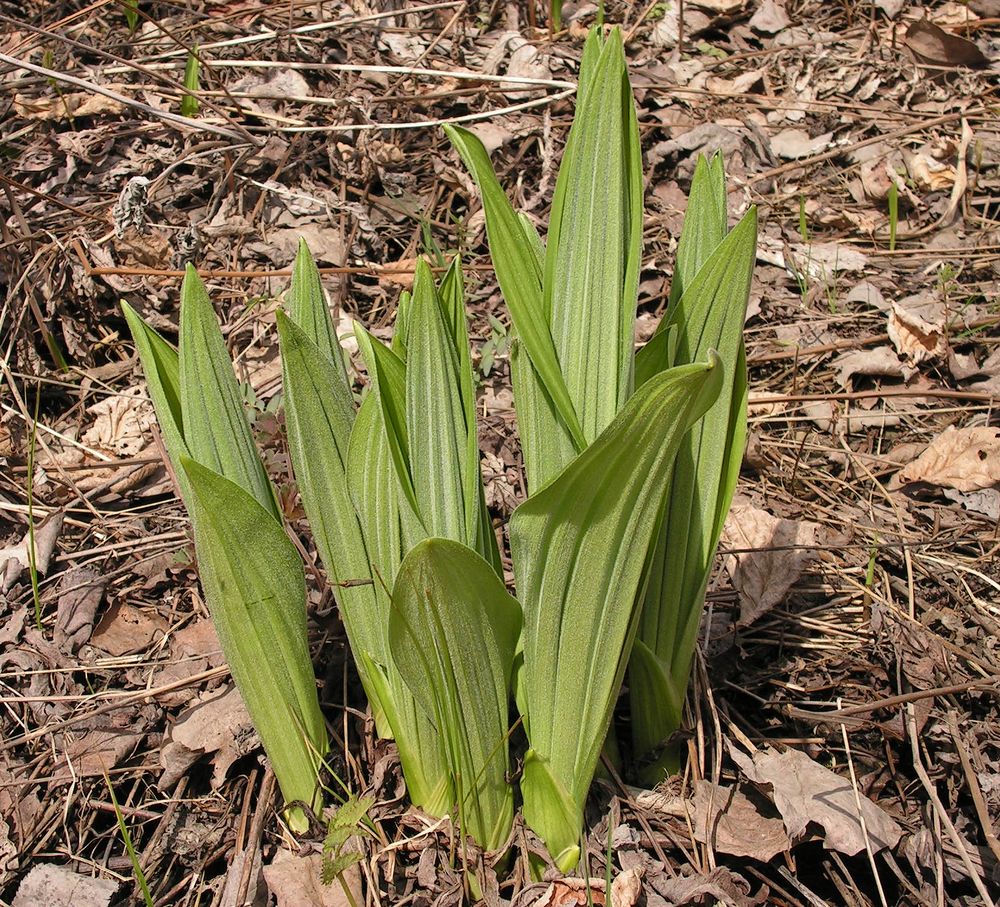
<point x="309" y="309"/>
<point x="518" y="273"/>
<point x="216" y="425"/>
<point x="161" y="368"/>
<point x="453" y="629"/>
<point x="388" y="534"/>
<point x="594" y="243"/>
<point x="250" y="570"/>
<point x="578" y="548"/>
<point x="710" y="314"/>
<point x="319" y="417"/>
<point x="387" y="372"/>
<point x="705" y="225"/>
<point x="445" y="477"/>
<point x="256" y="592"/>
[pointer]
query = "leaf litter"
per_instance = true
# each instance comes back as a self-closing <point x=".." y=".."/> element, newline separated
<point x="844" y="606"/>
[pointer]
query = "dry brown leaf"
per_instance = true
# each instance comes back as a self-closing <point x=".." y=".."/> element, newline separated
<point x="14" y="560"/>
<point x="398" y="273"/>
<point x="57" y="886"/>
<point x="571" y="892"/>
<point x="805" y="792"/>
<point x="931" y="44"/>
<point x="100" y="749"/>
<point x="917" y="327"/>
<point x="295" y="882"/>
<point x="126" y="629"/>
<point x="217" y="724"/>
<point x="81" y="595"/>
<point x="731" y="823"/>
<point x="881" y="360"/>
<point x="966" y="459"/>
<point x="73" y="104"/>
<point x="772" y="553"/>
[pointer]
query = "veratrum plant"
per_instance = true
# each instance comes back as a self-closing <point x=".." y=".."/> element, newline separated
<point x="250" y="570"/>
<point x="600" y="546"/>
<point x="630" y="460"/>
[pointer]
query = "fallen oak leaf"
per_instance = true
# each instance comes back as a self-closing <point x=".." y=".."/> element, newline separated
<point x="966" y="459"/>
<point x="770" y="555"/>
<point x="806" y="792"/>
<point x="932" y="45"/>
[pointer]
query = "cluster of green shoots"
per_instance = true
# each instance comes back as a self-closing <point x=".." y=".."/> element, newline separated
<point x="631" y="459"/>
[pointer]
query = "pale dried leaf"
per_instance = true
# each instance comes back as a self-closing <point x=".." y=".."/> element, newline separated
<point x="731" y="823"/>
<point x="256" y="895"/>
<point x="294" y="881"/>
<point x="772" y="553"/>
<point x="792" y="144"/>
<point x="218" y="724"/>
<point x="770" y="18"/>
<point x="966" y="459"/>
<point x="929" y="173"/>
<point x="917" y="327"/>
<point x="880" y="360"/>
<point x="985" y="502"/>
<point x="805" y="792"/>
<point x="867" y="294"/>
<point x="14" y="560"/>
<point x="57" y="886"/>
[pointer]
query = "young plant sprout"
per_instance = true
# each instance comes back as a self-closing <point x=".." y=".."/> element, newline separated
<point x="631" y="462"/>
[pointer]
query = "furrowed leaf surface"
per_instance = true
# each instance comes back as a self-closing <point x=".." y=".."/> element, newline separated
<point x="216" y="426"/>
<point x="255" y="588"/>
<point x="453" y="629"/>
<point x="575" y="544"/>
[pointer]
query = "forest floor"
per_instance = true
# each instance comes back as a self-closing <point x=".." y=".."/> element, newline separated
<point x="850" y="654"/>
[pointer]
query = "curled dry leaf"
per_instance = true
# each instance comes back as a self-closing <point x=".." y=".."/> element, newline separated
<point x="966" y="459"/>
<point x="771" y="554"/>
<point x="15" y="559"/>
<point x="728" y="820"/>
<point x="917" y="328"/>
<point x="66" y="105"/>
<point x="807" y="793"/>
<point x="625" y="891"/>
<point x="82" y="589"/>
<point x="721" y="886"/>
<point x="881" y="361"/>
<point x="218" y="724"/>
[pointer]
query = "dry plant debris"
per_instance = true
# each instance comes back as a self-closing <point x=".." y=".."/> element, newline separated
<point x="850" y="656"/>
